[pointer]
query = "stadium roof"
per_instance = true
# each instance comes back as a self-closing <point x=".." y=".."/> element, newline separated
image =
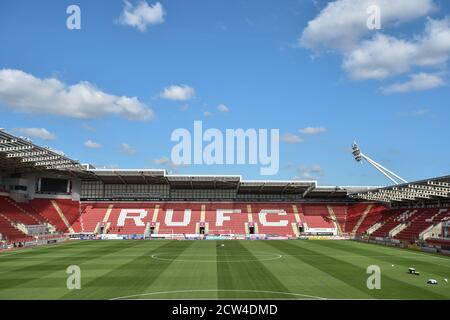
<point x="130" y="176"/>
<point x="234" y="182"/>
<point x="429" y="189"/>
<point x="21" y="154"/>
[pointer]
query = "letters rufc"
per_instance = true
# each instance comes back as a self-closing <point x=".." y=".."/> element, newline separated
<point x="221" y="215"/>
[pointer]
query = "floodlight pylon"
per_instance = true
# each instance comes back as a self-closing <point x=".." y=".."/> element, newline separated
<point x="359" y="156"/>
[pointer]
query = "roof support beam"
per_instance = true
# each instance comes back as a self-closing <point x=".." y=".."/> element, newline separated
<point x="285" y="188"/>
<point x="26" y="154"/>
<point x="439" y="184"/>
<point x="5" y="141"/>
<point x="40" y="159"/>
<point x="120" y="177"/>
<point x="310" y="188"/>
<point x="52" y="163"/>
<point x="7" y="149"/>
<point x="430" y="188"/>
<point x="145" y="178"/>
<point x="262" y="187"/>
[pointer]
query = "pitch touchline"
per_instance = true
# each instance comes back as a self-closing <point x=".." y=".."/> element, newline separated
<point x="29" y="249"/>
<point x="217" y="290"/>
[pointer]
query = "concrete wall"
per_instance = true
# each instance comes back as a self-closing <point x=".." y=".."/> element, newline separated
<point x="30" y="181"/>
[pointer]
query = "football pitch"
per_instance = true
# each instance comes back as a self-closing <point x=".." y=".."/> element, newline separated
<point x="159" y="269"/>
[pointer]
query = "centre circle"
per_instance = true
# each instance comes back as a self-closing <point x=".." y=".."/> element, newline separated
<point x="233" y="257"/>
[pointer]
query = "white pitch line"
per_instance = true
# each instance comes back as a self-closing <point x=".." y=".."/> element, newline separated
<point x="48" y="246"/>
<point x="265" y="256"/>
<point x="217" y="290"/>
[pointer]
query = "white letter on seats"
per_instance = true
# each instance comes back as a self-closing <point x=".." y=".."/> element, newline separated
<point x="137" y="219"/>
<point x="184" y="223"/>
<point x="220" y="218"/>
<point x="265" y="223"/>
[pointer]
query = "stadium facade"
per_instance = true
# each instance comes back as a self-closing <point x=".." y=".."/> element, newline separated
<point x="45" y="196"/>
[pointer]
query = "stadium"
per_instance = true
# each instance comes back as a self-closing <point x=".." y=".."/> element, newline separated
<point x="146" y="234"/>
<point x="217" y="158"/>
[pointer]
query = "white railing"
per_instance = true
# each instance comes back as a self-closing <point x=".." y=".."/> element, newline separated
<point x="398" y="229"/>
<point x="374" y="228"/>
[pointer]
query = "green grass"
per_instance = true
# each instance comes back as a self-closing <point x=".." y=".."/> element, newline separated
<point x="207" y="270"/>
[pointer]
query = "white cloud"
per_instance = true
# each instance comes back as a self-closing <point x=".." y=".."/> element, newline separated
<point x="415" y="113"/>
<point x="141" y="15"/>
<point x="38" y="133"/>
<point x="372" y="54"/>
<point x="223" y="108"/>
<point x="342" y="23"/>
<point x="417" y="82"/>
<point x="291" y="138"/>
<point x="162" y="161"/>
<point x="23" y="92"/>
<point x="313" y="130"/>
<point x="309" y="172"/>
<point x="92" y="145"/>
<point x="166" y="163"/>
<point x="384" y="56"/>
<point x="208" y="114"/>
<point x="178" y="92"/>
<point x="379" y="58"/>
<point x="127" y="149"/>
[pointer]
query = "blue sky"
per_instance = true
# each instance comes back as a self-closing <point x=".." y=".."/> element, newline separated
<point x="309" y="68"/>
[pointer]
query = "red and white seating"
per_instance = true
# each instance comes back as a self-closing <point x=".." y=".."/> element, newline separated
<point x="341" y="214"/>
<point x="375" y="215"/>
<point x="389" y="219"/>
<point x="316" y="216"/>
<point x="226" y="218"/>
<point x="273" y="218"/>
<point x="89" y="218"/>
<point x="47" y="212"/>
<point x="15" y="213"/>
<point x="178" y="218"/>
<point x="417" y="224"/>
<point x="353" y="215"/>
<point x="10" y="233"/>
<point x="216" y="217"/>
<point x="69" y="209"/>
<point x="125" y="220"/>
<point x="442" y="242"/>
<point x="185" y="217"/>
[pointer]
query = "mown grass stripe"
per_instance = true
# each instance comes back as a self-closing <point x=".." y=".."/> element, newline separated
<point x="17" y="254"/>
<point x="406" y="259"/>
<point x="111" y="269"/>
<point x="354" y="276"/>
<point x="55" y="265"/>
<point x="302" y="278"/>
<point x="193" y="270"/>
<point x="251" y="275"/>
<point x="369" y="249"/>
<point x="131" y="278"/>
